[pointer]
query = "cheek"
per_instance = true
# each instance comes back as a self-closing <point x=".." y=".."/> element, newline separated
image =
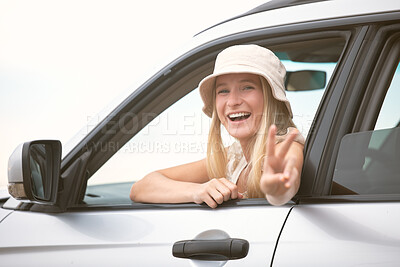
<point x="258" y="108"/>
<point x="219" y="106"/>
<point x="258" y="103"/>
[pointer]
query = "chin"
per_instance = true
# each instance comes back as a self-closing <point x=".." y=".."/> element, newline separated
<point x="241" y="135"/>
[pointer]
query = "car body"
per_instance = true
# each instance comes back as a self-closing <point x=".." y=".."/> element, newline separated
<point x="346" y="212"/>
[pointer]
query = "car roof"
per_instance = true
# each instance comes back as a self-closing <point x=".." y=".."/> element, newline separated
<point x="339" y="8"/>
<point x="270" y="5"/>
<point x="275" y="4"/>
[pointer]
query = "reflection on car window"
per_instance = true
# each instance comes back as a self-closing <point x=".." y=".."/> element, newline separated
<point x="179" y="134"/>
<point x="305" y="103"/>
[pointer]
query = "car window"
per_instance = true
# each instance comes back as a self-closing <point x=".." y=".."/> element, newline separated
<point x="389" y="116"/>
<point x="305" y="103"/>
<point x="368" y="162"/>
<point x="176" y="136"/>
<point x="179" y="134"/>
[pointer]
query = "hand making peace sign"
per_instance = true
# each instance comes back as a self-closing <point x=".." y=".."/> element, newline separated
<point x="282" y="165"/>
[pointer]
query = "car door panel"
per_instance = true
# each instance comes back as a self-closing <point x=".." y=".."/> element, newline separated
<point x="4" y="214"/>
<point x="347" y="234"/>
<point x="121" y="238"/>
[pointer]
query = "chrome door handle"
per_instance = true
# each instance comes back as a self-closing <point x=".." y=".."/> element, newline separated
<point x="211" y="250"/>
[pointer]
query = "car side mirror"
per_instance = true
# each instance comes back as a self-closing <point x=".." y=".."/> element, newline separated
<point x="34" y="171"/>
<point x="305" y="80"/>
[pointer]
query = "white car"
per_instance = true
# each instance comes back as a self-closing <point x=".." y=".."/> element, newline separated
<point x="72" y="207"/>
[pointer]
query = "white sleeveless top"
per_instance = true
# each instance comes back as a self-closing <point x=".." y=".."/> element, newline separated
<point x="237" y="161"/>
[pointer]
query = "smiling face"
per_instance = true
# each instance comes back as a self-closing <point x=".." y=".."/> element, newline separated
<point x="239" y="103"/>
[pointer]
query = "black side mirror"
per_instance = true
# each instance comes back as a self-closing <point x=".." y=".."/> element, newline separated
<point x="305" y="80"/>
<point x="34" y="171"/>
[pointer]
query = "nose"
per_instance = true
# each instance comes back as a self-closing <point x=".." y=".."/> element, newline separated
<point x="234" y="98"/>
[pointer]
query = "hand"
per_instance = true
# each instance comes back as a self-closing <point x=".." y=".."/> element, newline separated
<point x="280" y="175"/>
<point x="216" y="191"/>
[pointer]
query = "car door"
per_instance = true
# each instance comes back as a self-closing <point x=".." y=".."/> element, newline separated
<point x="97" y="224"/>
<point x="353" y="213"/>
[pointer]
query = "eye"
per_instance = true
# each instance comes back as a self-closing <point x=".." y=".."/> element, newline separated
<point x="248" y="87"/>
<point x="222" y="91"/>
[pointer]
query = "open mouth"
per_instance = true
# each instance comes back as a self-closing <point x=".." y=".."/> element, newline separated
<point x="239" y="116"/>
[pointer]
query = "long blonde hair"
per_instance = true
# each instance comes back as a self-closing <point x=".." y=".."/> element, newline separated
<point x="275" y="112"/>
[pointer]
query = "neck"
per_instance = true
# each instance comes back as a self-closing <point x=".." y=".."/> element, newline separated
<point x="245" y="144"/>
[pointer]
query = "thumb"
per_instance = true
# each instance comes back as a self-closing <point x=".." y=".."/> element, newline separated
<point x="289" y="167"/>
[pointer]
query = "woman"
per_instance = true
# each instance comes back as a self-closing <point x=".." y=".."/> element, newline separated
<point x="246" y="95"/>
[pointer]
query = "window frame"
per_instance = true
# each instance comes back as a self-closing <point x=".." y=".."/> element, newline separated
<point x="380" y="82"/>
<point x="344" y="34"/>
<point x="360" y="105"/>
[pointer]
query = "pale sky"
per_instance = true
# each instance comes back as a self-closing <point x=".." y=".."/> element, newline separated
<point x="61" y="62"/>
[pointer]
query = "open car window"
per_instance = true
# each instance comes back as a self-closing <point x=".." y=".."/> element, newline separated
<point x="179" y="134"/>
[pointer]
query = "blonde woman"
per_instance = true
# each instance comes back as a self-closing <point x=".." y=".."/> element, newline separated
<point x="246" y="95"/>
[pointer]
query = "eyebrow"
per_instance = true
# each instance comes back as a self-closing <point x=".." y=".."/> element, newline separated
<point x="247" y="81"/>
<point x="241" y="81"/>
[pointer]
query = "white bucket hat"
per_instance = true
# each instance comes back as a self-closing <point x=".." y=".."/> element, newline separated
<point x="246" y="59"/>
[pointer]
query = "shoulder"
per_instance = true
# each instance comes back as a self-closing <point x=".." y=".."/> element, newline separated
<point x="299" y="138"/>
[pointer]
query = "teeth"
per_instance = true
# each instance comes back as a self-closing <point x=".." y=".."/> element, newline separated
<point x="237" y="115"/>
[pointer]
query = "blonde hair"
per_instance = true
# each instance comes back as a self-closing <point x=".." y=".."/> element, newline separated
<point x="274" y="112"/>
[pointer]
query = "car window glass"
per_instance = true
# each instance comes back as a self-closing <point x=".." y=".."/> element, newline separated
<point x="389" y="116"/>
<point x="305" y="103"/>
<point x="368" y="162"/>
<point x="179" y="134"/>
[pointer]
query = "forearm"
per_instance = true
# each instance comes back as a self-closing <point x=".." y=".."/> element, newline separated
<point x="157" y="188"/>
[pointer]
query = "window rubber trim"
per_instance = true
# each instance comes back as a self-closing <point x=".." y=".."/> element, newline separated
<point x="381" y="78"/>
<point x="350" y="199"/>
<point x="254" y="202"/>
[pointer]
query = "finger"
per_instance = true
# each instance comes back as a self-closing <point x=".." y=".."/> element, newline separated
<point x="210" y="201"/>
<point x="293" y="178"/>
<point x="288" y="171"/>
<point x="285" y="180"/>
<point x="232" y="188"/>
<point x="271" y="141"/>
<point x="289" y="165"/>
<point x="277" y="184"/>
<point x="219" y="186"/>
<point x="285" y="145"/>
<point x="224" y="191"/>
<point x="209" y="193"/>
<point x="217" y="196"/>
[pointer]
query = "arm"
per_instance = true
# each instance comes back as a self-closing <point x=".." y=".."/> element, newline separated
<point x="181" y="184"/>
<point x="280" y="180"/>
